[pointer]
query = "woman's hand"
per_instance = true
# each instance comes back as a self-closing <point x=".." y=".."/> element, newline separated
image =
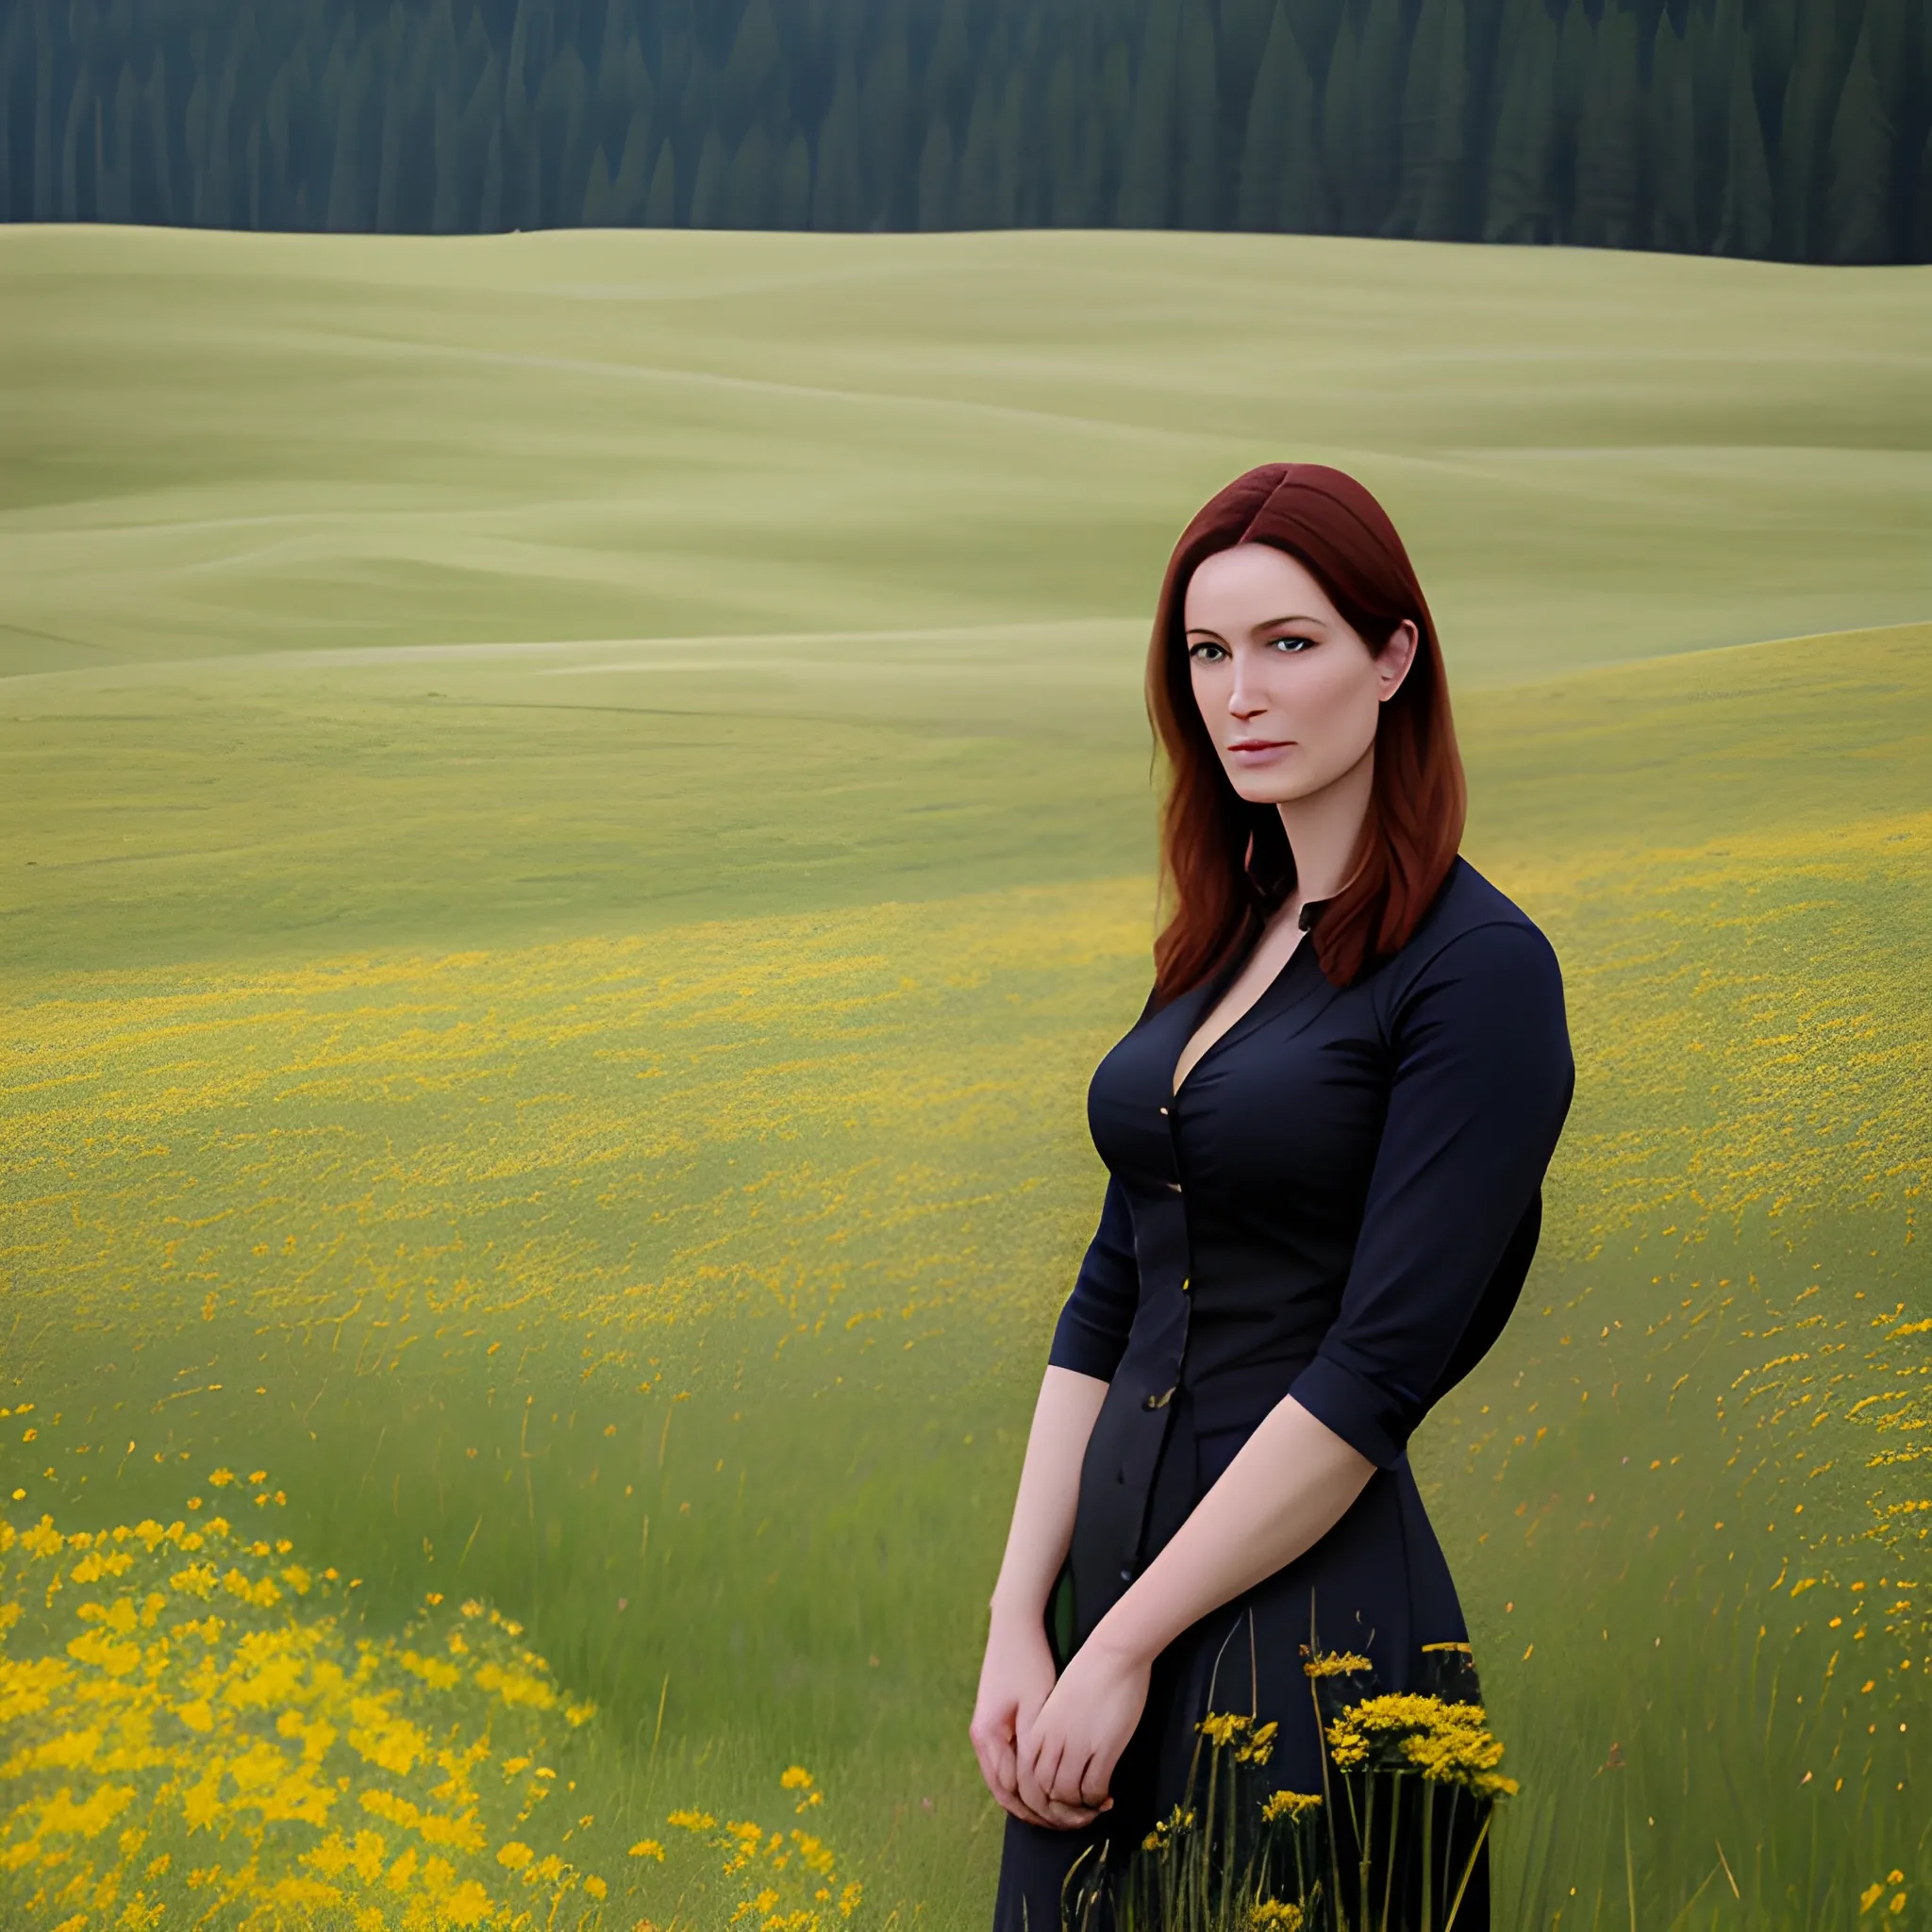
<point x="1014" y="1681"/>
<point x="1068" y="1753"/>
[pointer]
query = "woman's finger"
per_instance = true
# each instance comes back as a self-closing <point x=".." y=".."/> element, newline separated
<point x="1039" y="1758"/>
<point x="1065" y="1787"/>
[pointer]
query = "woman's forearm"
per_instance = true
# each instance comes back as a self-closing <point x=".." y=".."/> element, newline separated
<point x="1292" y="1482"/>
<point x="1042" y="1527"/>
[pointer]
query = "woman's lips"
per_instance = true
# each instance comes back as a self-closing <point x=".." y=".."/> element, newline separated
<point x="1257" y="748"/>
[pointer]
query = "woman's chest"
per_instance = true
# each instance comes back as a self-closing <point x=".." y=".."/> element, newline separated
<point x="1286" y="1107"/>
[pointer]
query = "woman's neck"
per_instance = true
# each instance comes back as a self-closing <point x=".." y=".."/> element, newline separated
<point x="1325" y="830"/>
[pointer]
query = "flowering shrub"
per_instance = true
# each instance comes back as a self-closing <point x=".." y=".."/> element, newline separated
<point x="190" y="1733"/>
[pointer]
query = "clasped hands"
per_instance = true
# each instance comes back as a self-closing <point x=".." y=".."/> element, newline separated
<point x="1047" y="1749"/>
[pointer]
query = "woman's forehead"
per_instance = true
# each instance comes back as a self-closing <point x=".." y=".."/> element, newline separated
<point x="1252" y="570"/>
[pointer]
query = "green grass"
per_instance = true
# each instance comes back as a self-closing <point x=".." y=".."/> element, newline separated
<point x="558" y="920"/>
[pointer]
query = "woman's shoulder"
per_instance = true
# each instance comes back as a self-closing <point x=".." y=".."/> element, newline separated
<point x="1473" y="924"/>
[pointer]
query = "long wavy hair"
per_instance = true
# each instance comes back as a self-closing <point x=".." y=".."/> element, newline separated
<point x="1225" y="863"/>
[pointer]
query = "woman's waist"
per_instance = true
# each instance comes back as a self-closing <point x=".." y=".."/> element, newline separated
<point x="1225" y="1395"/>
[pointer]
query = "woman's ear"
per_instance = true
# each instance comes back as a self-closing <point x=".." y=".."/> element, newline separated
<point x="1395" y="659"/>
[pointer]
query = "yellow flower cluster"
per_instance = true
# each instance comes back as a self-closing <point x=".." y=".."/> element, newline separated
<point x="1873" y="1892"/>
<point x="1336" y="1663"/>
<point x="1252" y="1743"/>
<point x="785" y="1881"/>
<point x="1168" y="1830"/>
<point x="190" y="1731"/>
<point x="1448" y="1742"/>
<point x="1289" y="1805"/>
<point x="1276" y="1915"/>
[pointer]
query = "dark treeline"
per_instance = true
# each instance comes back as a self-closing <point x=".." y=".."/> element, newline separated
<point x="1787" y="128"/>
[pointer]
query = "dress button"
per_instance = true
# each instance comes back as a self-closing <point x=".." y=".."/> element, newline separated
<point x="1159" y="1401"/>
<point x="1126" y="1577"/>
<point x="1176" y="1186"/>
<point x="1186" y="1284"/>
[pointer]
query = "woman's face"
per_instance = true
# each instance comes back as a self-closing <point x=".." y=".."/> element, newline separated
<point x="1288" y="691"/>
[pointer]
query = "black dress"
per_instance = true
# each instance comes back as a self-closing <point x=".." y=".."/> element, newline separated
<point x="1341" y="1204"/>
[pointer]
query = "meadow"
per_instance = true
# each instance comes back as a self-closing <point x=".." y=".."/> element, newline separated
<point x="579" y="818"/>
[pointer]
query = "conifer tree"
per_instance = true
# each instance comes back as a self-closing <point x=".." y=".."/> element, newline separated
<point x="1773" y="30"/>
<point x="481" y="137"/>
<point x="794" y="183"/>
<point x="1381" y="67"/>
<point x="12" y="39"/>
<point x="1340" y="127"/>
<point x="1146" y="197"/>
<point x="43" y="112"/>
<point x="448" y="210"/>
<point x="948" y="67"/>
<point x="1521" y="203"/>
<point x="1575" y="57"/>
<point x="345" y="176"/>
<point x="661" y="204"/>
<point x="1810" y="98"/>
<point x="1672" y="143"/>
<point x="74" y="155"/>
<point x="161" y="148"/>
<point x="1608" y="161"/>
<point x="835" y="195"/>
<point x="1745" y="223"/>
<point x="890" y="133"/>
<point x="599" y="195"/>
<point x="1281" y="177"/>
<point x="489" y="213"/>
<point x="1858" y="198"/>
<point x="1713" y="41"/>
<point x="1070" y="151"/>
<point x="630" y="186"/>
<point x="1198" y="121"/>
<point x="117" y="205"/>
<point x="936" y="177"/>
<point x="749" y="187"/>
<point x="1242" y="46"/>
<point x="563" y="121"/>
<point x="754" y="71"/>
<point x="1434" y="101"/>
<point x="395" y="109"/>
<point x="1441" y="216"/>
<point x="708" y="190"/>
<point x="1921" y="204"/>
<point x="984" y="178"/>
<point x="1116" y="118"/>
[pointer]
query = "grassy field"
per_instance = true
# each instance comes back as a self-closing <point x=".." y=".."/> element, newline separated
<point x="579" y="820"/>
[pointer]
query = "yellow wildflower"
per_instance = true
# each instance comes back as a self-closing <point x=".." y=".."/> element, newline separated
<point x="1290" y="1805"/>
<point x="1337" y="1663"/>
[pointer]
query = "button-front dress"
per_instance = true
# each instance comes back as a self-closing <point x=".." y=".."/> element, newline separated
<point x="1340" y="1203"/>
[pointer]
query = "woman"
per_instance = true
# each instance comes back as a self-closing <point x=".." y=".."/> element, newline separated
<point x="1326" y="1137"/>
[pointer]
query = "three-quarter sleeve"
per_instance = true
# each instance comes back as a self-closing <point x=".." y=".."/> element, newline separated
<point x="1091" y="1333"/>
<point x="1482" y="1081"/>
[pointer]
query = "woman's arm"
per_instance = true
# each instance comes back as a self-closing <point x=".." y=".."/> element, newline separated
<point x="1018" y="1674"/>
<point x="1292" y="1482"/>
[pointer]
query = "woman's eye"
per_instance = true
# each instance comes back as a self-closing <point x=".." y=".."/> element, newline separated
<point x="1292" y="644"/>
<point x="1206" y="654"/>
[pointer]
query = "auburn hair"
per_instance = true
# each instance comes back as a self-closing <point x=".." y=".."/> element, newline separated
<point x="1225" y="864"/>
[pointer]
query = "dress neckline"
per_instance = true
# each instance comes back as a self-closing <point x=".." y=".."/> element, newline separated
<point x="1218" y="986"/>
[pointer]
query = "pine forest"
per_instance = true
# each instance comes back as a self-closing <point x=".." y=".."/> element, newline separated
<point x="1790" y="129"/>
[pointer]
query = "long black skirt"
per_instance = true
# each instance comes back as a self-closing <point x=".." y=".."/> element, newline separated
<point x="1379" y="1585"/>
